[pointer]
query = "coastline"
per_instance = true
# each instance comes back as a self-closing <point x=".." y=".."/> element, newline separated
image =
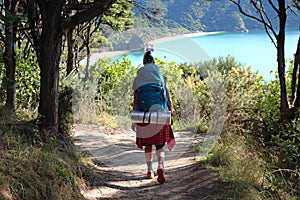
<point x="108" y="54"/>
<point x="181" y="36"/>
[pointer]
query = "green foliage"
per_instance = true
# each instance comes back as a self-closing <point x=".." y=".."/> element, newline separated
<point x="236" y="155"/>
<point x="114" y="85"/>
<point x="27" y="81"/>
<point x="108" y="91"/>
<point x="188" y="92"/>
<point x="281" y="140"/>
<point x="175" y="83"/>
<point x="200" y="96"/>
<point x="254" y="138"/>
<point x="83" y="97"/>
<point x="119" y="16"/>
<point x="286" y="144"/>
<point x="284" y="136"/>
<point x="242" y="87"/>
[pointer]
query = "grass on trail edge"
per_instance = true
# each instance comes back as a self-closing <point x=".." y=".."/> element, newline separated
<point x="30" y="169"/>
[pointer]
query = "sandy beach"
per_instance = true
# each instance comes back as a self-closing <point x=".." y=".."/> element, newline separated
<point x="177" y="37"/>
<point x="108" y="54"/>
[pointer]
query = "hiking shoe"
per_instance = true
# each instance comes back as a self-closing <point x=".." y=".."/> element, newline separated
<point x="150" y="175"/>
<point x="161" y="178"/>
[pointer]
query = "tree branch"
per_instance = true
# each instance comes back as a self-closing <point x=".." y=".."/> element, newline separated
<point x="273" y="6"/>
<point x="76" y="6"/>
<point x="33" y="21"/>
<point x="91" y="11"/>
<point x="268" y="27"/>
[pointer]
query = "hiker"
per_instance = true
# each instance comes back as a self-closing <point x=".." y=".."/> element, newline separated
<point x="148" y="134"/>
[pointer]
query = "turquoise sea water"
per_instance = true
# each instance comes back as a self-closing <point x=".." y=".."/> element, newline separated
<point x="253" y="49"/>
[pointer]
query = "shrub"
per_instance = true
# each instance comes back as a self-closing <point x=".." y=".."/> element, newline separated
<point x="27" y="82"/>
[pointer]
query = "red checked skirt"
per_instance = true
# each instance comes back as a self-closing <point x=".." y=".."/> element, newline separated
<point x="154" y="134"/>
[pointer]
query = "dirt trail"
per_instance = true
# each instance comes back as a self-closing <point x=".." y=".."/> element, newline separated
<point x="121" y="168"/>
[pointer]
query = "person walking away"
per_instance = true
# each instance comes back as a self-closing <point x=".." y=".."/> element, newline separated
<point x="149" y="81"/>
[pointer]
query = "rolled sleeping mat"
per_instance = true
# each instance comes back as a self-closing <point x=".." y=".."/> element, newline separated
<point x="152" y="117"/>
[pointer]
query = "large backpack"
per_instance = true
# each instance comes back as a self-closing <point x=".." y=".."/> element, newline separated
<point x="151" y="97"/>
<point x="151" y="89"/>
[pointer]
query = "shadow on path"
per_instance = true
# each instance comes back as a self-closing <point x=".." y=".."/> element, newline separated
<point x="121" y="169"/>
<point x="191" y="181"/>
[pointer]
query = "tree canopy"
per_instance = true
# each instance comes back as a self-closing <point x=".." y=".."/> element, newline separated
<point x="44" y="24"/>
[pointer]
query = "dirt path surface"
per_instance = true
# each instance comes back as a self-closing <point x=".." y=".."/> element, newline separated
<point x="121" y="171"/>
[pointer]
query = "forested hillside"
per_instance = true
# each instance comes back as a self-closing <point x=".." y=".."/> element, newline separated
<point x="213" y="15"/>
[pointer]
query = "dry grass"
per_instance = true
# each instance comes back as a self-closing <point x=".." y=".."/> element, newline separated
<point x="30" y="169"/>
<point x="240" y="164"/>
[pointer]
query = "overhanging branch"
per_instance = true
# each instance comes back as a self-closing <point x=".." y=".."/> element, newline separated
<point x="91" y="11"/>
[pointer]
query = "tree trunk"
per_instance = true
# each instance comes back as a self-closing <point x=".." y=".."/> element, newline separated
<point x="10" y="67"/>
<point x="284" y="105"/>
<point x="88" y="53"/>
<point x="9" y="53"/>
<point x="50" y="54"/>
<point x="54" y="23"/>
<point x="296" y="66"/>
<point x="70" y="41"/>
